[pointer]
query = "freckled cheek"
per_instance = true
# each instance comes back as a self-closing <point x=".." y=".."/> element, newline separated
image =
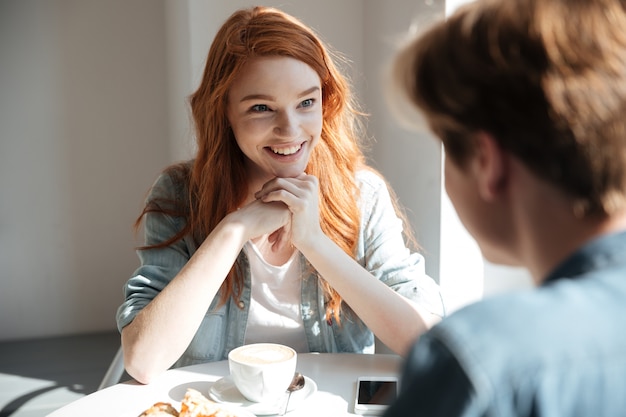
<point x="316" y="133"/>
<point x="254" y="127"/>
<point x="314" y="126"/>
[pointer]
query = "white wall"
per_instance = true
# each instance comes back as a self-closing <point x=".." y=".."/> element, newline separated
<point x="83" y="132"/>
<point x="93" y="106"/>
<point x="411" y="161"/>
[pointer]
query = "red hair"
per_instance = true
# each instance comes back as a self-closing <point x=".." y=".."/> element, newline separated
<point x="217" y="180"/>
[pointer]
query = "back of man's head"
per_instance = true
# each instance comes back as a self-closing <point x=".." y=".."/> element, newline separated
<point x="546" y="78"/>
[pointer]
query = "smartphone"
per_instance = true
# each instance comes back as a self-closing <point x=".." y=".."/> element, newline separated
<point x="374" y="394"/>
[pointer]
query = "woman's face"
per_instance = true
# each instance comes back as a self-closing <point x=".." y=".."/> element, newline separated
<point x="275" y="111"/>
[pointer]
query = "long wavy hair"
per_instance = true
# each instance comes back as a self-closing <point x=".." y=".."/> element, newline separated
<point x="217" y="180"/>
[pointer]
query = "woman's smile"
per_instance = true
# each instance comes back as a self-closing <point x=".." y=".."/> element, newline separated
<point x="286" y="151"/>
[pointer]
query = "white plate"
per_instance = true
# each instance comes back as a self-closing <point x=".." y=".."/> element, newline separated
<point x="238" y="411"/>
<point x="224" y="391"/>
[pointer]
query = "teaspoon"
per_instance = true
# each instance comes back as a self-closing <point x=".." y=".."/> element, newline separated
<point x="297" y="383"/>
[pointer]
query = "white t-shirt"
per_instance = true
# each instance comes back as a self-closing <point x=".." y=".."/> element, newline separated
<point x="274" y="314"/>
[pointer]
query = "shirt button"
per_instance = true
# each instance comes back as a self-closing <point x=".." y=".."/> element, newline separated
<point x="241" y="304"/>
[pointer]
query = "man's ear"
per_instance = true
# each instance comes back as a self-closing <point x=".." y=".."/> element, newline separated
<point x="492" y="167"/>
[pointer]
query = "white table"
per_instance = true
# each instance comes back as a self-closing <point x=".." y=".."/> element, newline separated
<point x="334" y="373"/>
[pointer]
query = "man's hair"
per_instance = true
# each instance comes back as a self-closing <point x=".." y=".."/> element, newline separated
<point x="546" y="78"/>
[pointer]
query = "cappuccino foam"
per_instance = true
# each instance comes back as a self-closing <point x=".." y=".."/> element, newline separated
<point x="262" y="354"/>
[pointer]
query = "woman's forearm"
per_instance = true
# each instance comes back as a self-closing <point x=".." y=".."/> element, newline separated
<point x="396" y="321"/>
<point x="161" y="332"/>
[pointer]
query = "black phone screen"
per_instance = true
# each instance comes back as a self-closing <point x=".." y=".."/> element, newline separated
<point x="377" y="392"/>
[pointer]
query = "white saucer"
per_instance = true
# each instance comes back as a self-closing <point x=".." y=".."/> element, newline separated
<point x="224" y="391"/>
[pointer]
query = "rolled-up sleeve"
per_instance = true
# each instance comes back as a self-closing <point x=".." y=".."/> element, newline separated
<point x="384" y="251"/>
<point x="158" y="266"/>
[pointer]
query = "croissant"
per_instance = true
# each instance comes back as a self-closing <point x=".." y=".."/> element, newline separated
<point x="160" y="410"/>
<point x="194" y="404"/>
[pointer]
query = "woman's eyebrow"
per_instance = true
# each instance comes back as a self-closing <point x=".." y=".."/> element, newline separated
<point x="271" y="98"/>
<point x="309" y="91"/>
<point x="257" y="97"/>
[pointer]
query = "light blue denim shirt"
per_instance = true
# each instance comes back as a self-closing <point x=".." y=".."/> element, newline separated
<point x="555" y="351"/>
<point x="381" y="250"/>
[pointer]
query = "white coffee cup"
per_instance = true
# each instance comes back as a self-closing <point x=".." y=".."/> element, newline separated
<point x="262" y="371"/>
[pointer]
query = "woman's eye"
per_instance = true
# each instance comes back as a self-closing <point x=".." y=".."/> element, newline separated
<point x="307" y="103"/>
<point x="259" y="108"/>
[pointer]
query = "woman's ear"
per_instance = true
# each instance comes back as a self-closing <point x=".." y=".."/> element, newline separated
<point x="492" y="167"/>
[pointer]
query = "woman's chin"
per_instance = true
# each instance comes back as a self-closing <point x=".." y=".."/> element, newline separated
<point x="288" y="172"/>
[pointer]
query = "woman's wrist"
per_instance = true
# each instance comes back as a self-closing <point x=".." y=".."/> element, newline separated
<point x="232" y="228"/>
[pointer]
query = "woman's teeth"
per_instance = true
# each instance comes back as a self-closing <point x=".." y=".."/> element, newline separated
<point x="286" y="151"/>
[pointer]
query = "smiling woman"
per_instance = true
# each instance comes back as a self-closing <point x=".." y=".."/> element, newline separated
<point x="277" y="231"/>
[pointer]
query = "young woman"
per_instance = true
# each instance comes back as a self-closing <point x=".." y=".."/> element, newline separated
<point x="277" y="230"/>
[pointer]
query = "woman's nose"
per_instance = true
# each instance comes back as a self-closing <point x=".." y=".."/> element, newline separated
<point x="286" y="125"/>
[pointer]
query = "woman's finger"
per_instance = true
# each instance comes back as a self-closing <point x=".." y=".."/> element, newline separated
<point x="293" y="192"/>
<point x="292" y="185"/>
<point x="280" y="238"/>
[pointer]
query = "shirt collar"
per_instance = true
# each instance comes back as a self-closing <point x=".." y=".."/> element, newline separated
<point x="598" y="253"/>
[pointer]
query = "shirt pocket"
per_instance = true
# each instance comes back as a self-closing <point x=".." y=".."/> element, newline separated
<point x="208" y="343"/>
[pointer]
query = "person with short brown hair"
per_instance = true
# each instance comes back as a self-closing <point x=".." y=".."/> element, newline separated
<point x="528" y="98"/>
